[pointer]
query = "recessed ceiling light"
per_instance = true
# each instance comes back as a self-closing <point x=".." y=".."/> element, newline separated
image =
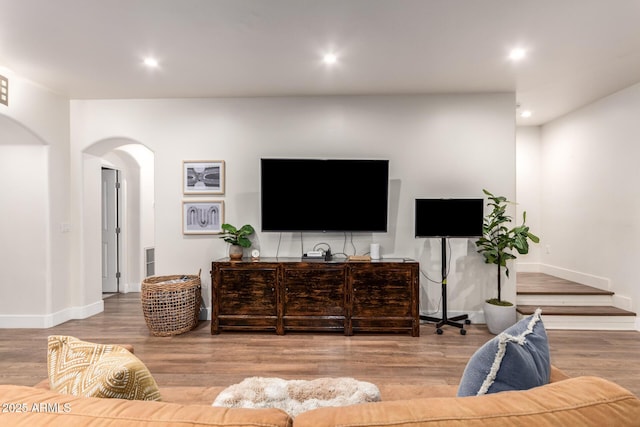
<point x="151" y="62"/>
<point x="525" y="114"/>
<point x="330" y="58"/>
<point x="517" y="54"/>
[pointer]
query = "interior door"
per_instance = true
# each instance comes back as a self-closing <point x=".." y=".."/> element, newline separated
<point x="110" y="231"/>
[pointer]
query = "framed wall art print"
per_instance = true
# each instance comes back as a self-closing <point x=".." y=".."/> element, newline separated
<point x="202" y="216"/>
<point x="203" y="177"/>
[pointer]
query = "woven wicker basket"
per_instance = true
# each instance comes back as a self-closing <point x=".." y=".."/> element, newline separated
<point x="171" y="306"/>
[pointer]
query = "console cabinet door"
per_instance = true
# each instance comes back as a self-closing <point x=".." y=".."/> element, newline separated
<point x="314" y="297"/>
<point x="246" y="298"/>
<point x="384" y="298"/>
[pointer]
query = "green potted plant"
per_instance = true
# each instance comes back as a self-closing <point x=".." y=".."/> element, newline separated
<point x="496" y="245"/>
<point x="237" y="238"/>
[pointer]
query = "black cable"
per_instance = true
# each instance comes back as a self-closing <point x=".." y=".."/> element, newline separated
<point x="447" y="270"/>
<point x="322" y="243"/>
<point x="439" y="302"/>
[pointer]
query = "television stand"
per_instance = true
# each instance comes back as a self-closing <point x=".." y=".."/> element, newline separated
<point x="445" y="320"/>
<point x="286" y="294"/>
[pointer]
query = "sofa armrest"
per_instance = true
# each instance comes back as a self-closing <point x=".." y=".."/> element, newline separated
<point x="27" y="406"/>
<point x="582" y="401"/>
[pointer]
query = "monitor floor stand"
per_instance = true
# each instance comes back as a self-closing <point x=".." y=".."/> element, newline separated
<point x="445" y="320"/>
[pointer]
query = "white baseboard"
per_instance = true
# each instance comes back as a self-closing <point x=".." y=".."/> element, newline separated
<point x="125" y="288"/>
<point x="133" y="287"/>
<point x="44" y="321"/>
<point x="525" y="267"/>
<point x="622" y="302"/>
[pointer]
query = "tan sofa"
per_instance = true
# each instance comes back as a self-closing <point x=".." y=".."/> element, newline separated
<point x="581" y="401"/>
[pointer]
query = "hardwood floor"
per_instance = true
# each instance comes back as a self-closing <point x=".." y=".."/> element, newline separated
<point x="199" y="358"/>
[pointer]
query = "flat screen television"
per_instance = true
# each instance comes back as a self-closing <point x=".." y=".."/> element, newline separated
<point x="449" y="217"/>
<point x="324" y="195"/>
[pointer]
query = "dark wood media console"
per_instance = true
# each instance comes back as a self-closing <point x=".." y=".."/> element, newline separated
<point x="286" y="294"/>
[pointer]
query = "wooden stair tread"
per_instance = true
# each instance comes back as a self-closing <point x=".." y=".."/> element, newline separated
<point x="572" y="310"/>
<point x="543" y="284"/>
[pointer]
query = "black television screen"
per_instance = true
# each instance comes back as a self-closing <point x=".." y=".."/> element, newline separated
<point x="324" y="195"/>
<point x="449" y="217"/>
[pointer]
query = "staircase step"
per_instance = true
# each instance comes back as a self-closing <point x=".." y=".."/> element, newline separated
<point x="566" y="310"/>
<point x="543" y="284"/>
<point x="583" y="318"/>
<point x="539" y="289"/>
<point x="564" y="300"/>
<point x="570" y="305"/>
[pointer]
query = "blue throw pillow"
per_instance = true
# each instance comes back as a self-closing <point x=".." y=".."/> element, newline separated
<point x="517" y="359"/>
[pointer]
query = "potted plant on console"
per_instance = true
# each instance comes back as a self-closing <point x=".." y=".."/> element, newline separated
<point x="496" y="245"/>
<point x="237" y="238"/>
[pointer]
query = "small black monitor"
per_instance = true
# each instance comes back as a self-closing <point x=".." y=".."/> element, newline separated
<point x="449" y="217"/>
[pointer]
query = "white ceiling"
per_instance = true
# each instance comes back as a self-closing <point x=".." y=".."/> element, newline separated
<point x="578" y="50"/>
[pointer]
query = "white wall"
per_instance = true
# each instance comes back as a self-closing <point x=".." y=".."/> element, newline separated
<point x="591" y="197"/>
<point x="24" y="251"/>
<point x="34" y="146"/>
<point x="528" y="192"/>
<point x="438" y="146"/>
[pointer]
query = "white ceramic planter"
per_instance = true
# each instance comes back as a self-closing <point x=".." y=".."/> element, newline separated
<point x="499" y="317"/>
<point x="235" y="252"/>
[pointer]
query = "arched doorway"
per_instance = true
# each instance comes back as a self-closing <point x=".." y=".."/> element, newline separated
<point x="134" y="164"/>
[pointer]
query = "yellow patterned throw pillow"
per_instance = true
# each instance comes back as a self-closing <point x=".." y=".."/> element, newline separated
<point x="87" y="369"/>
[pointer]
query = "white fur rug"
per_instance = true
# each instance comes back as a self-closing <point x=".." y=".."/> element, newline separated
<point x="296" y="396"/>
